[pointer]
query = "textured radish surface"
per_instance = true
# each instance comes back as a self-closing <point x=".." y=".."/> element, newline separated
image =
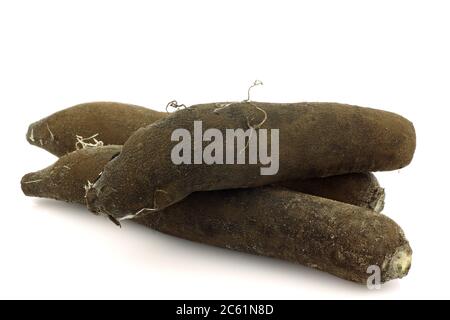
<point x="109" y="122"/>
<point x="331" y="236"/>
<point x="315" y="140"/>
<point x="359" y="189"/>
<point x="67" y="178"/>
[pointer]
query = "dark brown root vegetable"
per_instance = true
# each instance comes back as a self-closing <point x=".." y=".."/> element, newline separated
<point x="359" y="189"/>
<point x="338" y="238"/>
<point x="67" y="178"/>
<point x="315" y="140"/>
<point x="331" y="236"/>
<point x="109" y="122"/>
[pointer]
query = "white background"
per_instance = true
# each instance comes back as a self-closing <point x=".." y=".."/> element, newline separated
<point x="392" y="55"/>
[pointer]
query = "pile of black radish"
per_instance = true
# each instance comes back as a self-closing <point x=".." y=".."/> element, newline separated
<point x="320" y="209"/>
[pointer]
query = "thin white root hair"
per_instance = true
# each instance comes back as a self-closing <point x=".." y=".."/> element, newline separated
<point x="255" y="83"/>
<point x="32" y="135"/>
<point x="249" y="138"/>
<point x="221" y="106"/>
<point x="52" y="136"/>
<point x="154" y="197"/>
<point x="83" y="144"/>
<point x="33" y="181"/>
<point x="88" y="187"/>
<point x="66" y="167"/>
<point x="161" y="190"/>
<point x="137" y="214"/>
<point x="255" y="127"/>
<point x="174" y="104"/>
<point x="141" y="211"/>
<point x="259" y="125"/>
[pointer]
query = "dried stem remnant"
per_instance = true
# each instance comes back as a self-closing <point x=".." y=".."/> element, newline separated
<point x="82" y="143"/>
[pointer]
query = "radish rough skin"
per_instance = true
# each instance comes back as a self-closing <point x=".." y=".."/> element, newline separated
<point x="110" y="122"/>
<point x="331" y="236"/>
<point x="67" y="178"/>
<point x="359" y="189"/>
<point x="315" y="140"/>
